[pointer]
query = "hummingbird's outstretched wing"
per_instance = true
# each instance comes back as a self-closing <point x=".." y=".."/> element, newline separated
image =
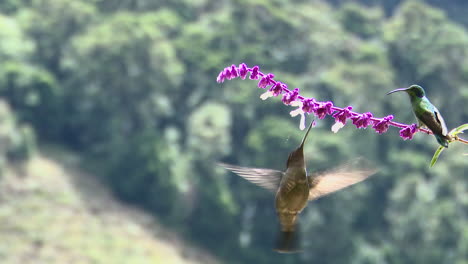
<point x="330" y="181"/>
<point x="265" y="178"/>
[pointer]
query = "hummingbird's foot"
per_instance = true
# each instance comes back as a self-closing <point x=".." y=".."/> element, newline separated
<point x="424" y="128"/>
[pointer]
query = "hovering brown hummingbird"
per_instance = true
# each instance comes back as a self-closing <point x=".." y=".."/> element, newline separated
<point x="294" y="188"/>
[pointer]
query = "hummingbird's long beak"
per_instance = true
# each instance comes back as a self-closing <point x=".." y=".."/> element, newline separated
<point x="307" y="133"/>
<point x="397" y="90"/>
<point x="296" y="157"/>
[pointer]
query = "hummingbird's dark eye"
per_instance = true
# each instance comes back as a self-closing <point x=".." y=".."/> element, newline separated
<point x="419" y="93"/>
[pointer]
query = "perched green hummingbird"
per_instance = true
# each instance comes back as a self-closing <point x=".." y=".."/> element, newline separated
<point x="426" y="113"/>
<point x="294" y="188"/>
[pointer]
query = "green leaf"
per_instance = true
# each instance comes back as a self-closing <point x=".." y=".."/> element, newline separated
<point x="436" y="155"/>
<point x="459" y="130"/>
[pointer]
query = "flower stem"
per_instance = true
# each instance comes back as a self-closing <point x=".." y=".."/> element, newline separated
<point x="462" y="140"/>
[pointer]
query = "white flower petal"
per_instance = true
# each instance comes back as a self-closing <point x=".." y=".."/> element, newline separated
<point x="302" y="122"/>
<point x="266" y="95"/>
<point x="337" y="126"/>
<point x="296" y="112"/>
<point x="296" y="103"/>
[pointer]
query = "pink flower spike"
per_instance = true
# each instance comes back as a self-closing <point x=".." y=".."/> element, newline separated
<point x="305" y="105"/>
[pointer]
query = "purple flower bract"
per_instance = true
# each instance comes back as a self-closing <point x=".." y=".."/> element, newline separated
<point x="408" y="132"/>
<point x="382" y="125"/>
<point x="266" y="80"/>
<point x="362" y="120"/>
<point x="324" y="109"/>
<point x="343" y="115"/>
<point x="290" y="96"/>
<point x="309" y="105"/>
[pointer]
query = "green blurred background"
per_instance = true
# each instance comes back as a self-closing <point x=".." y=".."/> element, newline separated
<point x="111" y="121"/>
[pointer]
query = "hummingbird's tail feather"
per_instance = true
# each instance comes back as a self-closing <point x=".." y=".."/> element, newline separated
<point x="288" y="242"/>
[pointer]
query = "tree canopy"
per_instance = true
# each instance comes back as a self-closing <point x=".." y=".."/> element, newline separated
<point x="131" y="85"/>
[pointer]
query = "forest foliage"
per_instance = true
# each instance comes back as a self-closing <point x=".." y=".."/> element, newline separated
<point x="131" y="85"/>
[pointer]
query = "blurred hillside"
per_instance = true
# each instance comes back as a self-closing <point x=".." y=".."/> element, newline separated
<point x="130" y="87"/>
<point x="53" y="212"/>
